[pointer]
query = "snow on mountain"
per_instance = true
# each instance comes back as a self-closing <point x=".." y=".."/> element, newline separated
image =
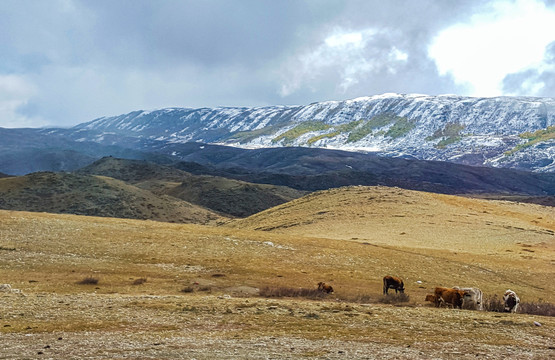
<point x="516" y="132"/>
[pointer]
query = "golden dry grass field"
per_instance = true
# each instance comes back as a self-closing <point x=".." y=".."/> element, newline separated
<point x="192" y="291"/>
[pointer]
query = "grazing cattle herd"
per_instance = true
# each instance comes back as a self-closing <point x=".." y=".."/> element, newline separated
<point x="470" y="298"/>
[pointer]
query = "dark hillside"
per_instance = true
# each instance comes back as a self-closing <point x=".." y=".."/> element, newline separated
<point x="317" y="169"/>
<point x="95" y="196"/>
<point x="226" y="196"/>
<point x="233" y="197"/>
<point x="132" y="171"/>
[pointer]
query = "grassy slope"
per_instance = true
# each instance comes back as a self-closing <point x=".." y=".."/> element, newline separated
<point x="226" y="196"/>
<point x="45" y="255"/>
<point x="474" y="238"/>
<point x="95" y="195"/>
<point x="232" y="197"/>
<point x="132" y="171"/>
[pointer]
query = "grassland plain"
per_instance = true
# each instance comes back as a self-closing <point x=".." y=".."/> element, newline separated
<point x="198" y="295"/>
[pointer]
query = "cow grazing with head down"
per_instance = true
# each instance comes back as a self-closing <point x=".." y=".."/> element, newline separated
<point x="511" y="301"/>
<point x="323" y="287"/>
<point x="448" y="296"/>
<point x="392" y="282"/>
<point x="431" y="298"/>
<point x="472" y="298"/>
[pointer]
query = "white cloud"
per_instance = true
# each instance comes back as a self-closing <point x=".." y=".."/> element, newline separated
<point x="351" y="55"/>
<point x="504" y="38"/>
<point x="343" y="40"/>
<point x="15" y="92"/>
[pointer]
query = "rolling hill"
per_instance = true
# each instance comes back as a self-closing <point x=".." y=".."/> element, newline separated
<point x="398" y="217"/>
<point x="226" y="196"/>
<point x="132" y="171"/>
<point x="95" y="196"/>
<point x="494" y="238"/>
<point x="232" y="197"/>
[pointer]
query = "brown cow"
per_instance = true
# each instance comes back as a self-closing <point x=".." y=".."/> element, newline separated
<point x="392" y="282"/>
<point x="431" y="298"/>
<point x="452" y="297"/>
<point x="322" y="286"/>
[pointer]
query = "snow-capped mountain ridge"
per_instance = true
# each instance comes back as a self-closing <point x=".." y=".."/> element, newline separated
<point x="477" y="131"/>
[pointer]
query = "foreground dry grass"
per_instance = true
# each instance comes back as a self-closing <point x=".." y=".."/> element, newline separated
<point x="46" y="256"/>
<point x="208" y="326"/>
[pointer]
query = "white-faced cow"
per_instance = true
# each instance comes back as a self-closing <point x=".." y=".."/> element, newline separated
<point x="472" y="298"/>
<point x="511" y="301"/>
<point x="323" y="287"/>
<point x="392" y="282"/>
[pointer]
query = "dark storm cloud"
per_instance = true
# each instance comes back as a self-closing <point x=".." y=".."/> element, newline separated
<point x="64" y="62"/>
<point x="209" y="33"/>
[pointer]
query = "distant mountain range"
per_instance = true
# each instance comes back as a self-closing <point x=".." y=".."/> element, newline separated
<point x="514" y="132"/>
<point x="506" y="132"/>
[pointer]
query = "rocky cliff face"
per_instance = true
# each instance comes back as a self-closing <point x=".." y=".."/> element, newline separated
<point x="515" y="132"/>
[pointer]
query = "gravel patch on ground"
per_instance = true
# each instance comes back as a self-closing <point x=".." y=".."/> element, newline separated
<point x="216" y="326"/>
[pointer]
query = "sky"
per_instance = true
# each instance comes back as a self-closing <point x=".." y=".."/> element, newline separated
<point x="64" y="62"/>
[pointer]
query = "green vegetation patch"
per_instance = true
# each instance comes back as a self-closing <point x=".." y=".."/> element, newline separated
<point x="450" y="130"/>
<point x="339" y="129"/>
<point x="349" y="126"/>
<point x="451" y="134"/>
<point x="246" y="136"/>
<point x="534" y="138"/>
<point x="308" y="126"/>
<point x="447" y="141"/>
<point x="401" y="127"/>
<point x="360" y="132"/>
<point x="323" y="136"/>
<point x="381" y="120"/>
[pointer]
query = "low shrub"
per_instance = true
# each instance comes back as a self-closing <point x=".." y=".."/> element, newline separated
<point x="496" y="304"/>
<point x="139" y="281"/>
<point x="292" y="292"/>
<point x="89" y="280"/>
<point x="537" y="308"/>
<point x="360" y="299"/>
<point x="493" y="303"/>
<point x="394" y="299"/>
